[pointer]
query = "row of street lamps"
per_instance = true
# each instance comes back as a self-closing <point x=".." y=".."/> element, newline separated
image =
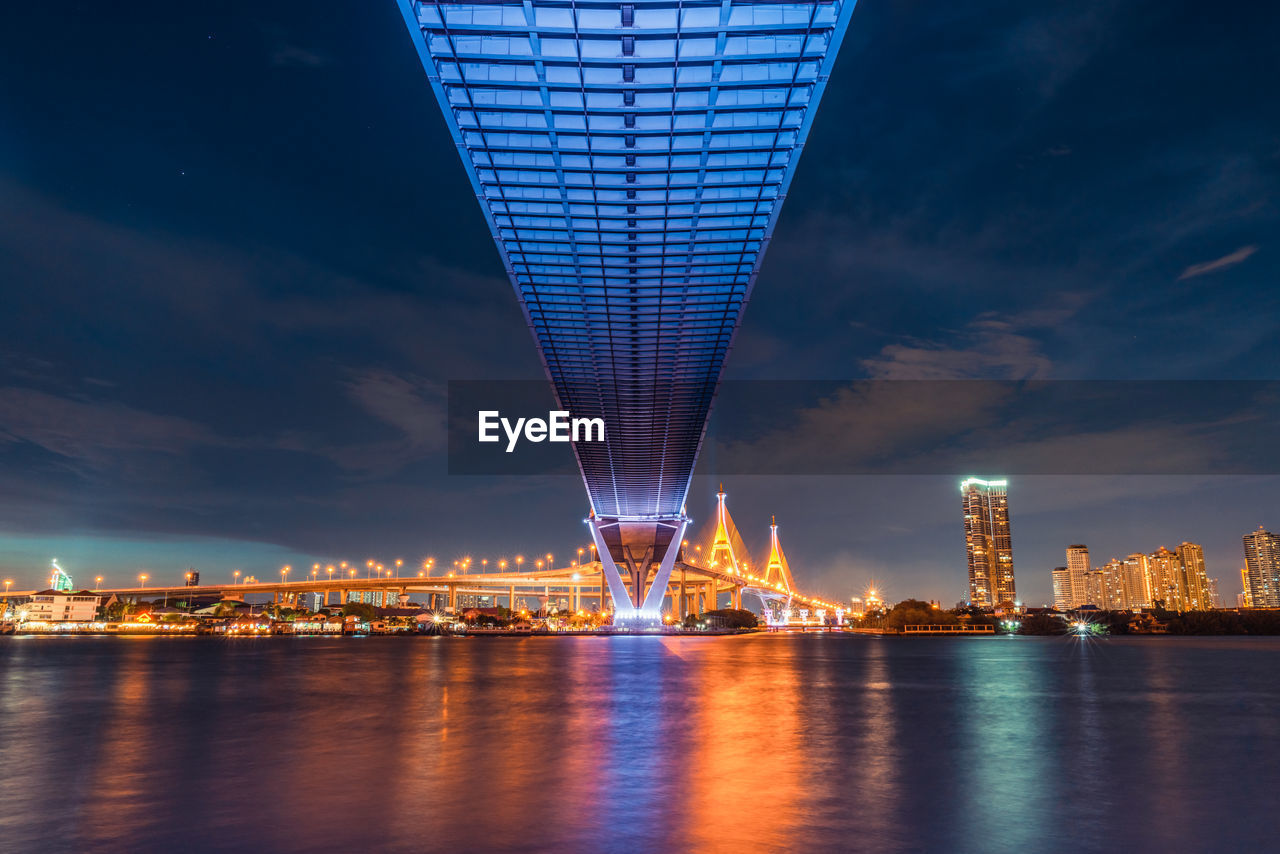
<point x="460" y="567"/>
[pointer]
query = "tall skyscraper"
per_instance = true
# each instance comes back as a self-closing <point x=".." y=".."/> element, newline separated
<point x="1095" y="588"/>
<point x="1077" y="566"/>
<point x="1262" y="568"/>
<point x="988" y="541"/>
<point x="1062" y="599"/>
<point x="1195" y="578"/>
<point x="1215" y="595"/>
<point x="1168" y="585"/>
<point x="1115" y="591"/>
<point x="1138" y="572"/>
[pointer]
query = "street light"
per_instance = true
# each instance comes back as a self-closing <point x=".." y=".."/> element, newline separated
<point x="97" y="582"/>
<point x="519" y="561"/>
<point x="142" y="579"/>
<point x="236" y="576"/>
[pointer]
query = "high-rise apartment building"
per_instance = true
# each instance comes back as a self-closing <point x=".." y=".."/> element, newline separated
<point x="1095" y="588"/>
<point x="1114" y="593"/>
<point x="1138" y="575"/>
<point x="988" y="541"/>
<point x="1168" y="585"/>
<point x="1195" y="579"/>
<point x="1176" y="579"/>
<point x="1062" y="598"/>
<point x="1262" y="568"/>
<point x="1077" y="566"/>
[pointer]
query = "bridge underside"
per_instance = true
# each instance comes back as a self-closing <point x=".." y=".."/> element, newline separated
<point x="631" y="160"/>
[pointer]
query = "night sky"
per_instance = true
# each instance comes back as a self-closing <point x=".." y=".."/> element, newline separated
<point x="240" y="260"/>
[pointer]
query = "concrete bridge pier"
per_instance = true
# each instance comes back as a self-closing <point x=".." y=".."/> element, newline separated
<point x="636" y="545"/>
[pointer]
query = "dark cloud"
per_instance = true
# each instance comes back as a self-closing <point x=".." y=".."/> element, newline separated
<point x="95" y="434"/>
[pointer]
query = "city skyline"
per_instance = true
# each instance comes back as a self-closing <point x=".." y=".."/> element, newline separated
<point x="262" y="384"/>
<point x="1176" y="580"/>
<point x="1221" y="564"/>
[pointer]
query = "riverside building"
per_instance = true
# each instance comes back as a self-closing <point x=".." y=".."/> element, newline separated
<point x="988" y="542"/>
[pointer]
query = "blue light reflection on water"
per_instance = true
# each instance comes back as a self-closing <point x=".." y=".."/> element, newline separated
<point x="640" y="743"/>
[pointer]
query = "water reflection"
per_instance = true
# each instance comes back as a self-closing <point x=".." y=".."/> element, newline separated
<point x="875" y="748"/>
<point x="1007" y="715"/>
<point x="625" y="744"/>
<point x="745" y="729"/>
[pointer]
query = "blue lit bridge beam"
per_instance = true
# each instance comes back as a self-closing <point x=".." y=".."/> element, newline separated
<point x="631" y="160"/>
<point x="639" y="545"/>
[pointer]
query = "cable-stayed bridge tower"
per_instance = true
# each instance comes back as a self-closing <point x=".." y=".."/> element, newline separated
<point x="778" y="587"/>
<point x="726" y="550"/>
<point x="631" y="160"/>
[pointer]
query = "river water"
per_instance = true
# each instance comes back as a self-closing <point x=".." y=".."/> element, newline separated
<point x="761" y="742"/>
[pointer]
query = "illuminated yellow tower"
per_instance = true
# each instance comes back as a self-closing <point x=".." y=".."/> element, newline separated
<point x="723" y="554"/>
<point x="777" y="572"/>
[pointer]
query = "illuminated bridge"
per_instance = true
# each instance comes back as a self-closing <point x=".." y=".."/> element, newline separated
<point x="631" y="160"/>
<point x="698" y="583"/>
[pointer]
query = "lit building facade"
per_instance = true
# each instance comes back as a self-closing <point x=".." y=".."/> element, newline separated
<point x="1261" y="573"/>
<point x="1215" y="595"/>
<point x="1168" y="585"/>
<point x="1175" y="579"/>
<point x="1095" y="588"/>
<point x="1116" y="592"/>
<point x="1063" y="599"/>
<point x="57" y="606"/>
<point x="988" y="541"/>
<point x="1137" y="569"/>
<point x="58" y="578"/>
<point x="1195" y="579"/>
<point x="1077" y="566"/>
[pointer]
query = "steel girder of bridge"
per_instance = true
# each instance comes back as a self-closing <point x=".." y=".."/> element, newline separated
<point x="631" y="159"/>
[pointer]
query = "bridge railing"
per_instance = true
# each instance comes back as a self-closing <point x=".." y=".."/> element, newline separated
<point x="924" y="629"/>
